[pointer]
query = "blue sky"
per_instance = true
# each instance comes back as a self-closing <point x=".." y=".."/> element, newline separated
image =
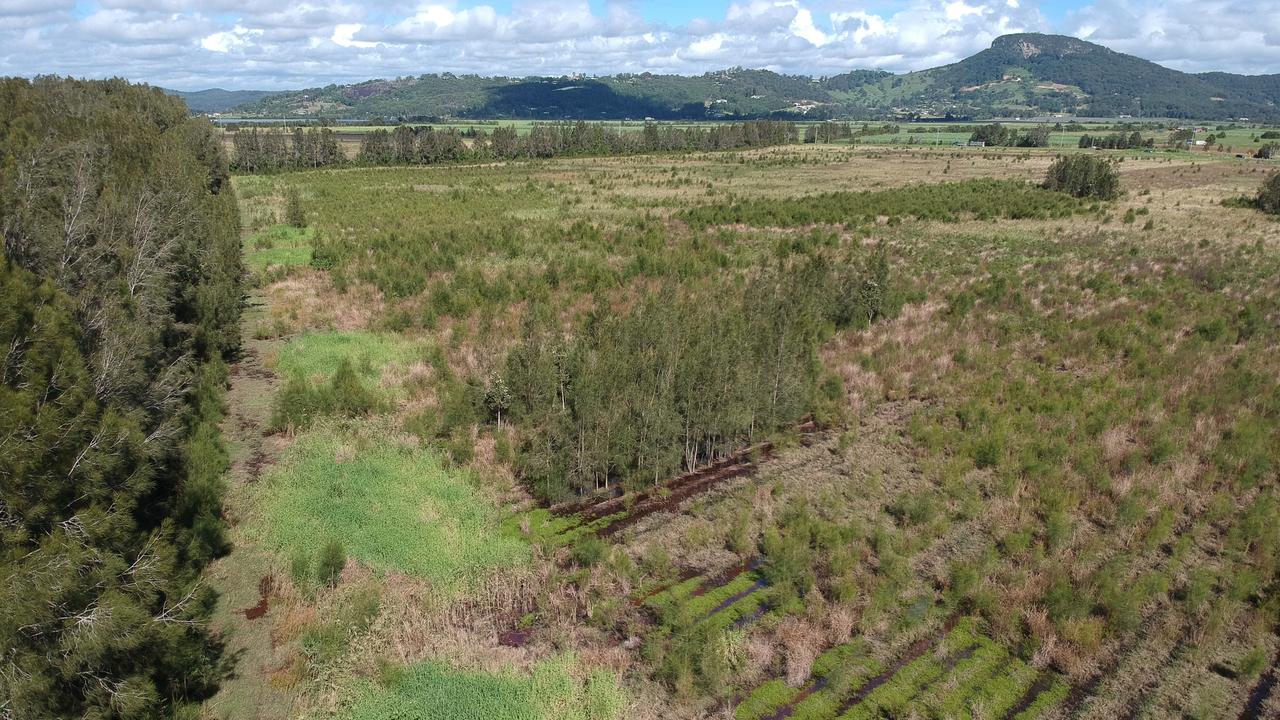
<point x="274" y="44"/>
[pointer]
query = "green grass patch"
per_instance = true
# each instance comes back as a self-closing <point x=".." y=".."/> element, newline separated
<point x="433" y="691"/>
<point x="393" y="508"/>
<point x="765" y="700"/>
<point x="1046" y="700"/>
<point x="317" y="355"/>
<point x="279" y="245"/>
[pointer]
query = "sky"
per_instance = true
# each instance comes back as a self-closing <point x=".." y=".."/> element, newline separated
<point x="282" y="44"/>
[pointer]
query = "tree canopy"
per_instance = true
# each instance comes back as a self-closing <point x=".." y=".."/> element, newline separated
<point x="121" y="279"/>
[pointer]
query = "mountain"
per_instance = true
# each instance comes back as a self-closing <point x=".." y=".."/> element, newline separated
<point x="735" y="92"/>
<point x="217" y="99"/>
<point x="1030" y="73"/>
<point x="1019" y="75"/>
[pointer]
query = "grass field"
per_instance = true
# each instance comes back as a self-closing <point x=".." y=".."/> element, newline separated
<point x="392" y="508"/>
<point x="429" y="691"/>
<point x="1039" y="481"/>
<point x="318" y="354"/>
<point x="279" y="246"/>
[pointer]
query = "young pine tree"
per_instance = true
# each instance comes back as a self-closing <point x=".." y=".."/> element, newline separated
<point x="294" y="214"/>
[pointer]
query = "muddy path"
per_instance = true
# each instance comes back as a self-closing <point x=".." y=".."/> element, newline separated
<point x="245" y="579"/>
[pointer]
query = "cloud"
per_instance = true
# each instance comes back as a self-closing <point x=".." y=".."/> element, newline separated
<point x="344" y="35"/>
<point x="1230" y="35"/>
<point x="278" y="44"/>
<point x="225" y="42"/>
<point x="131" y="27"/>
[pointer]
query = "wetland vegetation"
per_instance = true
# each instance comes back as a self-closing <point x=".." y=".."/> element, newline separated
<point x="768" y="429"/>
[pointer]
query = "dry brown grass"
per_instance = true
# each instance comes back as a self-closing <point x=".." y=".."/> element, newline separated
<point x="307" y="300"/>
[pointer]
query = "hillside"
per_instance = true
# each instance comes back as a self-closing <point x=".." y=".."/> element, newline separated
<point x="734" y="92"/>
<point x="1032" y="73"/>
<point x="217" y="99"/>
<point x="1019" y="75"/>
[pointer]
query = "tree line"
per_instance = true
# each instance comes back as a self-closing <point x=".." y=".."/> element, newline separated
<point x="997" y="134"/>
<point x="684" y="377"/>
<point x="1117" y="141"/>
<point x="258" y="151"/>
<point x="121" y="285"/>
<point x="829" y="132"/>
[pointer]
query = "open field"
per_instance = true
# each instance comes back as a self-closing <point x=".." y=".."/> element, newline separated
<point x="811" y="431"/>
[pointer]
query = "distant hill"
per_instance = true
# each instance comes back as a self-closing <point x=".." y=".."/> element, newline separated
<point x="1019" y="75"/>
<point x="727" y="93"/>
<point x="217" y="99"/>
<point x="1033" y="74"/>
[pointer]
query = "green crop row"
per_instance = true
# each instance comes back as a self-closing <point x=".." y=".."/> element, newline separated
<point x="839" y="656"/>
<point x="701" y="605"/>
<point x="552" y="531"/>
<point x="1056" y="693"/>
<point x="765" y="700"/>
<point x="953" y="699"/>
<point x="898" y="692"/>
<point x="1001" y="693"/>
<point x="740" y="609"/>
<point x="903" y="689"/>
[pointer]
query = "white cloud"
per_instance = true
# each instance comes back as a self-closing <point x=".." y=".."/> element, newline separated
<point x="225" y="42"/>
<point x="344" y="35"/>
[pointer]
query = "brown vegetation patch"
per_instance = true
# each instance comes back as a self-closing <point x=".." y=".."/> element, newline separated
<point x="307" y="300"/>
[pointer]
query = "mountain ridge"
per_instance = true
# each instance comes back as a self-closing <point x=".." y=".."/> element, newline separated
<point x="1021" y="74"/>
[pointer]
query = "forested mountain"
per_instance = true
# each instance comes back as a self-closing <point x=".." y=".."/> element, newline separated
<point x="1031" y="73"/>
<point x="217" y="99"/>
<point x="121" y="294"/>
<point x="1025" y="74"/>
<point x="734" y="92"/>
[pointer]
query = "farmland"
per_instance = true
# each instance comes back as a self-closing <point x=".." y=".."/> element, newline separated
<point x="810" y="431"/>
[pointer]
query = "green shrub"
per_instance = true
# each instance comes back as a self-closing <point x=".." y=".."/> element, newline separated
<point x="330" y="562"/>
<point x="294" y="214"/>
<point x="589" y="551"/>
<point x="1253" y="662"/>
<point x="1269" y="195"/>
<point x="301" y="401"/>
<point x="1083" y="176"/>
